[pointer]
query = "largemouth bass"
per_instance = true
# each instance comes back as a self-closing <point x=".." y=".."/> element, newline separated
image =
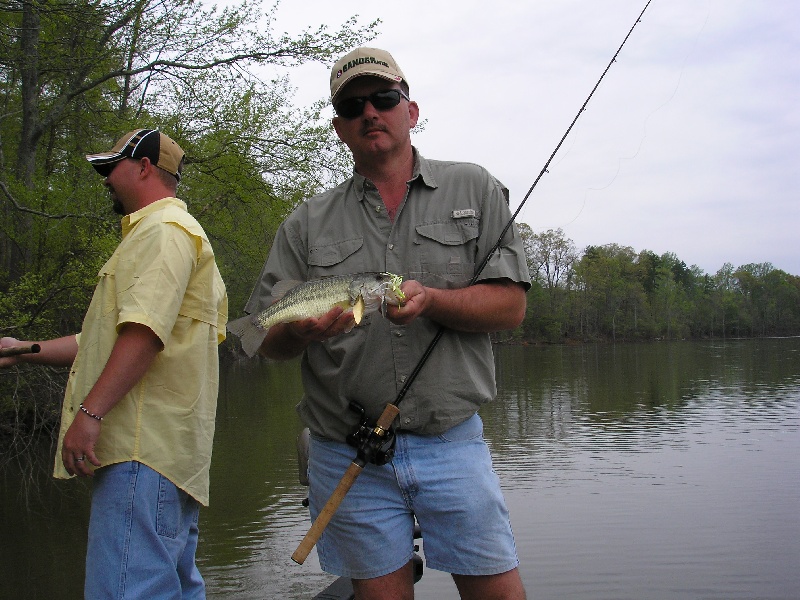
<point x="295" y="301"/>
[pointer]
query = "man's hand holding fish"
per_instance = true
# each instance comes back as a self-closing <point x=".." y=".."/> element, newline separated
<point x="335" y="322"/>
<point x="317" y="310"/>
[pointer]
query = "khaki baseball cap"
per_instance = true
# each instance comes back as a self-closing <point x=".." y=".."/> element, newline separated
<point x="158" y="147"/>
<point x="364" y="61"/>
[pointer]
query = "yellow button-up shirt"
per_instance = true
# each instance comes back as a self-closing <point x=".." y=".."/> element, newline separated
<point x="162" y="275"/>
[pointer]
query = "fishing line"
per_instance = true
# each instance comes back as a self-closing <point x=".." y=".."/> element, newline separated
<point x="644" y="133"/>
<point x="415" y="372"/>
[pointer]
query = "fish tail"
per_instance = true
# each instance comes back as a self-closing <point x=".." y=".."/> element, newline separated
<point x="249" y="333"/>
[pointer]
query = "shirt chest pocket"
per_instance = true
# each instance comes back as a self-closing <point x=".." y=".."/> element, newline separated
<point x="447" y="251"/>
<point x="106" y="289"/>
<point x="338" y="257"/>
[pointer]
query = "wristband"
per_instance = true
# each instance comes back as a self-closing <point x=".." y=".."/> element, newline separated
<point x="94" y="416"/>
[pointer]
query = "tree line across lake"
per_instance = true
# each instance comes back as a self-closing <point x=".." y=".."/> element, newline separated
<point x="612" y="292"/>
<point x="74" y="78"/>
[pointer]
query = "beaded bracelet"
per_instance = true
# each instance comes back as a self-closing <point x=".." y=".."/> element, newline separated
<point x="94" y="416"/>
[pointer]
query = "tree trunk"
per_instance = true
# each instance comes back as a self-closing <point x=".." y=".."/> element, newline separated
<point x="29" y="72"/>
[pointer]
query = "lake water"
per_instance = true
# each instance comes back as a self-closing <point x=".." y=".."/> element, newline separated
<point x="642" y="471"/>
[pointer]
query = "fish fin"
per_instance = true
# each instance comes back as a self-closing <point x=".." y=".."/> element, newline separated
<point x="249" y="333"/>
<point x="283" y="287"/>
<point x="358" y="309"/>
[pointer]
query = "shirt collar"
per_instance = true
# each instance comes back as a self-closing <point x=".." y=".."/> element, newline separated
<point x="421" y="170"/>
<point x="130" y="221"/>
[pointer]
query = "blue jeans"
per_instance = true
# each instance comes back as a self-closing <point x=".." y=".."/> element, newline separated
<point x="444" y="481"/>
<point x="142" y="537"/>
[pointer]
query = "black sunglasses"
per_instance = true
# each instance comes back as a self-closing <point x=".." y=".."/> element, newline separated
<point x="350" y="108"/>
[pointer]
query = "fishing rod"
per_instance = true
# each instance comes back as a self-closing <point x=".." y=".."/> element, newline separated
<point x="499" y="241"/>
<point x="373" y="444"/>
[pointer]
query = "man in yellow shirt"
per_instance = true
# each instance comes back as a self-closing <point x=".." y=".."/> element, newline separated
<point x="140" y="404"/>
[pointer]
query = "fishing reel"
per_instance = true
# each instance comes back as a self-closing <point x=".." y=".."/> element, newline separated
<point x="374" y="444"/>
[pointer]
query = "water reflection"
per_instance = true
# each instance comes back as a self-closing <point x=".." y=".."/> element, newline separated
<point x="653" y="471"/>
<point x="256" y="518"/>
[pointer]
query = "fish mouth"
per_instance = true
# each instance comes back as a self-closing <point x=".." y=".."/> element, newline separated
<point x="383" y="289"/>
<point x="391" y="286"/>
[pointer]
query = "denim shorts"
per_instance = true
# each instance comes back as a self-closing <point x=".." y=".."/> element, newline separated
<point x="142" y="537"/>
<point x="444" y="481"/>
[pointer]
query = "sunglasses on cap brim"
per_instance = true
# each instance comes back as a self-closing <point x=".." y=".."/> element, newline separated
<point x="350" y="108"/>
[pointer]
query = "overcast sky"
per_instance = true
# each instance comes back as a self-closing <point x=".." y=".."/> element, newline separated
<point x="690" y="145"/>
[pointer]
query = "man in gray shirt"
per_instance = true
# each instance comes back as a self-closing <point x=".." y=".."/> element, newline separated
<point x="432" y="222"/>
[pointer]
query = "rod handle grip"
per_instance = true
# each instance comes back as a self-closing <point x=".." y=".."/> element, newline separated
<point x="388" y="416"/>
<point x="345" y="483"/>
<point x="327" y="512"/>
<point x="17" y="350"/>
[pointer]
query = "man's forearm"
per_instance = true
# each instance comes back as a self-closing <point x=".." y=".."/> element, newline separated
<point x="134" y="351"/>
<point x="59" y="352"/>
<point x="483" y="307"/>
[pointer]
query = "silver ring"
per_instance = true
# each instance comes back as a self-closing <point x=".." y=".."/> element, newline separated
<point x="80" y="459"/>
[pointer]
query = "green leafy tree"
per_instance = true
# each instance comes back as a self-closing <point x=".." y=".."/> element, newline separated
<point x="75" y="75"/>
<point x="768" y="299"/>
<point x="670" y="302"/>
<point x="551" y="256"/>
<point x="783" y="304"/>
<point x="610" y="292"/>
<point x="724" y="301"/>
<point x="611" y="295"/>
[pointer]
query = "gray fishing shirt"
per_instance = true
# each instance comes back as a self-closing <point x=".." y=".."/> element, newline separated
<point x="452" y="216"/>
